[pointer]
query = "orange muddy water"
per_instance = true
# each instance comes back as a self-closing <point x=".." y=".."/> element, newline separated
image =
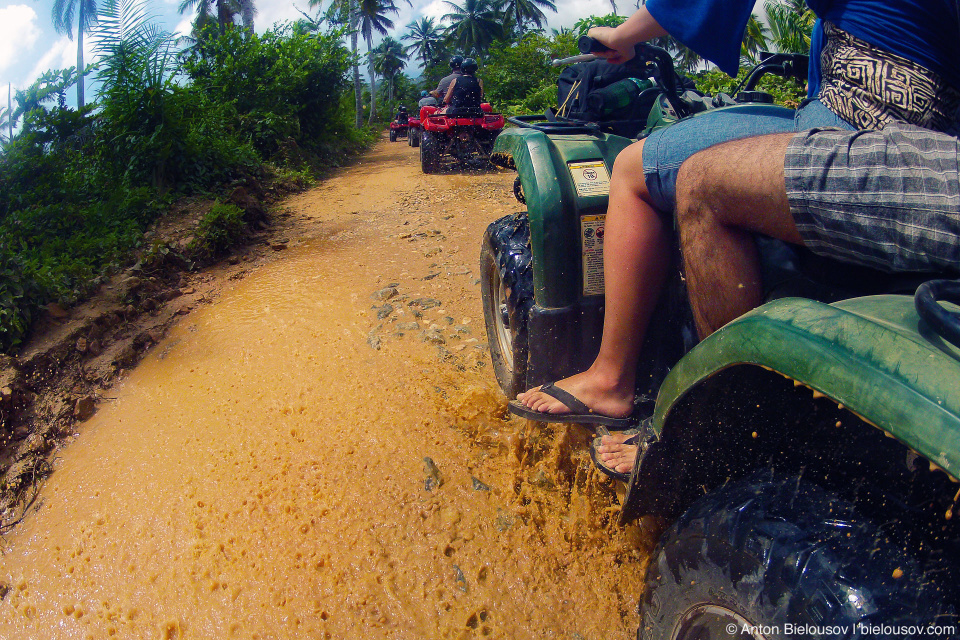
<point x="262" y="473"/>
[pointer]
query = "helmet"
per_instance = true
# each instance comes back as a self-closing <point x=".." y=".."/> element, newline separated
<point x="423" y="94"/>
<point x="455" y="62"/>
<point x="469" y="65"/>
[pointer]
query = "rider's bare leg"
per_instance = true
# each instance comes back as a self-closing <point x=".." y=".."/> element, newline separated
<point x="723" y="194"/>
<point x="636" y="257"/>
<point x="729" y="192"/>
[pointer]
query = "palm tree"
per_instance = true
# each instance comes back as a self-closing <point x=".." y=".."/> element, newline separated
<point x="63" y="11"/>
<point x="224" y="11"/>
<point x="790" y="25"/>
<point x="389" y="59"/>
<point x="426" y="40"/>
<point x="6" y="122"/>
<point x="308" y="24"/>
<point x="373" y="17"/>
<point x="474" y="26"/>
<point x="346" y="12"/>
<point x="754" y="40"/>
<point x="137" y="63"/>
<point x="247" y="13"/>
<point x="527" y="12"/>
<point x="136" y="55"/>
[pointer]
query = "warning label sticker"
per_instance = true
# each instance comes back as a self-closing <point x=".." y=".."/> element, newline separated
<point x="591" y="178"/>
<point x="591" y="242"/>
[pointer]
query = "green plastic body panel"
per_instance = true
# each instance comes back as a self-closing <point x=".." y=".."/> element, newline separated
<point x="873" y="355"/>
<point x="553" y="206"/>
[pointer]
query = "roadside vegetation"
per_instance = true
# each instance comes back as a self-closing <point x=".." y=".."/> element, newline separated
<point x="173" y="118"/>
<point x="79" y="186"/>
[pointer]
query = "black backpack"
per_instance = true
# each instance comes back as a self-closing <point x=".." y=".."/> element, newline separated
<point x="577" y="81"/>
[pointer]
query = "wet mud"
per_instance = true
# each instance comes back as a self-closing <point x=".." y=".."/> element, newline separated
<point x="323" y="452"/>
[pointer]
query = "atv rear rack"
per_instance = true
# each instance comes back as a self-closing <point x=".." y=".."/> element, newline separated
<point x="555" y="127"/>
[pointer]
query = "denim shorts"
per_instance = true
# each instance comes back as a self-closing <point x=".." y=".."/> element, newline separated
<point x="666" y="149"/>
<point x="885" y="199"/>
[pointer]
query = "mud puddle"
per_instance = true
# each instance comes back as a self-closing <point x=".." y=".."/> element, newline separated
<point x="323" y="452"/>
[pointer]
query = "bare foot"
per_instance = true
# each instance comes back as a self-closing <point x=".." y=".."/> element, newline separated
<point x="616" y="455"/>
<point x="614" y="400"/>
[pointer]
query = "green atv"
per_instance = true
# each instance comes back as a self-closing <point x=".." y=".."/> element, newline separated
<point x="804" y="461"/>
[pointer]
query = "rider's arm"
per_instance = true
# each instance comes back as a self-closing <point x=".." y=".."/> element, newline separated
<point x="447" y="98"/>
<point x="712" y="28"/>
<point x="639" y="27"/>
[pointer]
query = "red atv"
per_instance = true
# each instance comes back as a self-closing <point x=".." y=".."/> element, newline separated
<point x="400" y="126"/>
<point x="465" y="137"/>
<point x="413" y="134"/>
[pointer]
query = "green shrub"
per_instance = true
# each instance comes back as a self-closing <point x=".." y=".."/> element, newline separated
<point x="19" y="299"/>
<point x="173" y="138"/>
<point x="280" y="83"/>
<point x="519" y="78"/>
<point x="785" y="91"/>
<point x="79" y="187"/>
<point x="218" y="230"/>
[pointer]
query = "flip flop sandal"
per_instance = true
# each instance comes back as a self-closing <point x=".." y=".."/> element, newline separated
<point x="622" y="476"/>
<point x="579" y="412"/>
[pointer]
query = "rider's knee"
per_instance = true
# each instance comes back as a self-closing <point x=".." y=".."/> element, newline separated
<point x="693" y="189"/>
<point x="628" y="168"/>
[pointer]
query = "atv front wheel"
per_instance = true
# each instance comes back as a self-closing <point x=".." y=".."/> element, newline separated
<point x="506" y="285"/>
<point x="429" y="153"/>
<point x="413" y="138"/>
<point x="780" y="558"/>
<point x="393" y="135"/>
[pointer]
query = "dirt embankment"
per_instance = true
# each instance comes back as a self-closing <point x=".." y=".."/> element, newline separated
<point x="75" y="355"/>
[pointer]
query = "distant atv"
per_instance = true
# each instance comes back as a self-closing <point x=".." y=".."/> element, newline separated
<point x="463" y="137"/>
<point x="413" y="133"/>
<point x="400" y="126"/>
<point x="803" y="460"/>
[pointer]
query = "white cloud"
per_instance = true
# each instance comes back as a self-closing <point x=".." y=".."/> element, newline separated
<point x="184" y="27"/>
<point x="273" y="11"/>
<point x="60" y="55"/>
<point x="435" y="9"/>
<point x="569" y="11"/>
<point x="18" y="33"/>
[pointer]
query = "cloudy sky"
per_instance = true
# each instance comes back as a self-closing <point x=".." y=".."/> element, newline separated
<point x="29" y="45"/>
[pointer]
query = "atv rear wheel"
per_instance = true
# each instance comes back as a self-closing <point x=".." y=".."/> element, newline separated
<point x="429" y="153"/>
<point x="506" y="285"/>
<point x="393" y="135"/>
<point x="413" y="138"/>
<point x="777" y="558"/>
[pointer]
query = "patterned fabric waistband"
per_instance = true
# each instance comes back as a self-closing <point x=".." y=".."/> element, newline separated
<point x="870" y="87"/>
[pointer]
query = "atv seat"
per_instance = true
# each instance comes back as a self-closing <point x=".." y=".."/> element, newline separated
<point x="465" y="113"/>
<point x="790" y="271"/>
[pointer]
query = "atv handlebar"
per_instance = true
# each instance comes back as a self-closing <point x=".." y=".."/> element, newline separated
<point x="586" y="44"/>
<point x="561" y="62"/>
<point x="946" y="323"/>
<point x="785" y="65"/>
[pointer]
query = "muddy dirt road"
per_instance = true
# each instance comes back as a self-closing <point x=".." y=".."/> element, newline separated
<point x="262" y="473"/>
